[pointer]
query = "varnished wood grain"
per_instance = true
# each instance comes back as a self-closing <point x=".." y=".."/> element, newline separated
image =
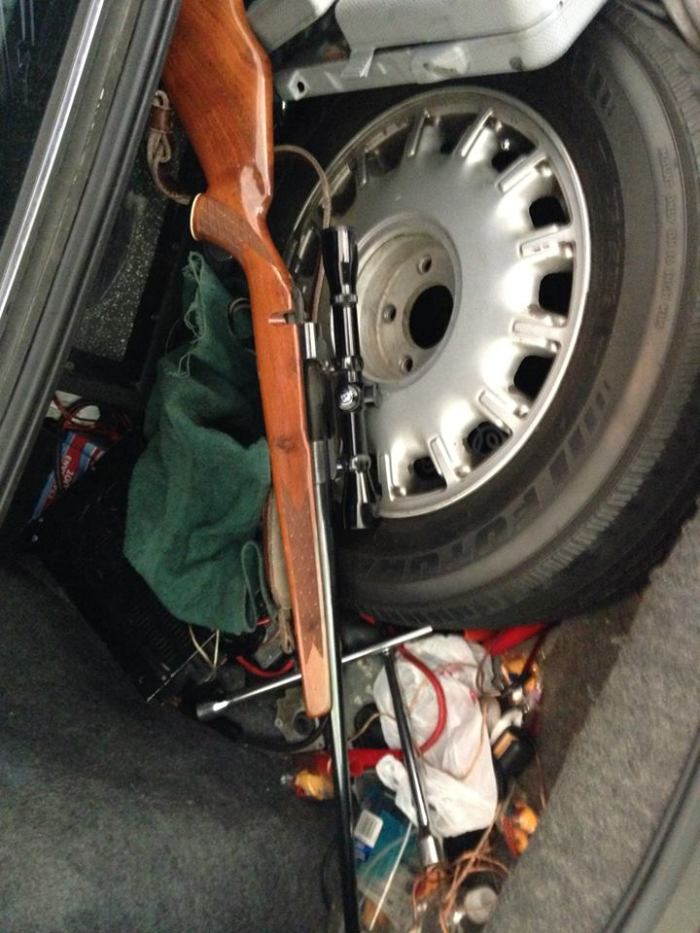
<point x="220" y="82"/>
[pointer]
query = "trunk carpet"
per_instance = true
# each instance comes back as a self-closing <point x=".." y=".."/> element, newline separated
<point x="115" y="816"/>
<point x="623" y="765"/>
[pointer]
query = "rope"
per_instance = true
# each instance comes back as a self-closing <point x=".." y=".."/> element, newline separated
<point x="159" y="148"/>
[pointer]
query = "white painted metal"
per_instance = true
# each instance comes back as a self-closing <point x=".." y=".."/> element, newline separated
<point x="383" y="23"/>
<point x="478" y="38"/>
<point x="277" y="21"/>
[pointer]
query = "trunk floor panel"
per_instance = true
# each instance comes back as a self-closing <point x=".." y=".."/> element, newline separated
<point x="623" y="764"/>
<point x="118" y="816"/>
<point x="576" y="662"/>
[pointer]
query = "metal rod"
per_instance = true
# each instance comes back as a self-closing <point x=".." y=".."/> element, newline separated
<point x="340" y="262"/>
<point x="214" y="708"/>
<point x="336" y="716"/>
<point x="428" y="846"/>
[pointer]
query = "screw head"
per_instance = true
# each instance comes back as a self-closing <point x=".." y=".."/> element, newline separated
<point x="349" y="398"/>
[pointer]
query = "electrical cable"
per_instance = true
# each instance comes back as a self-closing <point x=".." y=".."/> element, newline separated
<point x="69" y="412"/>
<point x="212" y="662"/>
<point x="361" y="731"/>
<point x="439" y="696"/>
<point x="327" y="213"/>
<point x="521" y="679"/>
<point x="326" y="195"/>
<point x="256" y="671"/>
<point x="245" y="663"/>
<point x="467" y="864"/>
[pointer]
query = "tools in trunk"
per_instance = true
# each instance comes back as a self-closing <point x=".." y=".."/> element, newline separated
<point x="212" y="708"/>
<point x="428" y="844"/>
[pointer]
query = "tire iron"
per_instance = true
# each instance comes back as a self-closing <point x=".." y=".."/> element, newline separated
<point x="429" y="847"/>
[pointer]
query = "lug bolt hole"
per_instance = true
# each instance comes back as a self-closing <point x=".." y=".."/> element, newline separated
<point x="303" y="725"/>
<point x="389" y="314"/>
<point x="425" y="264"/>
<point x="406" y="364"/>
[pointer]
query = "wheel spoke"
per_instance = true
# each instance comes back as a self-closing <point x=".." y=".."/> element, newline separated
<point x="552" y="243"/>
<point x="475" y="134"/>
<point x="449" y="465"/>
<point x="539" y="330"/>
<point x="393" y="475"/>
<point x="361" y="171"/>
<point x="506" y="409"/>
<point x="528" y="170"/>
<point x="415" y="134"/>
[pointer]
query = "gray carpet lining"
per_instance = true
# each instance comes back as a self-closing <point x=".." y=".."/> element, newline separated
<point x="116" y="816"/>
<point x="621" y="767"/>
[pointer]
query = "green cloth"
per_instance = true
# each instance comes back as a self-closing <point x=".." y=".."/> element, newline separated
<point x="197" y="492"/>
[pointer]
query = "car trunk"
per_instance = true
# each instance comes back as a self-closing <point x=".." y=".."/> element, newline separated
<point x="119" y="814"/>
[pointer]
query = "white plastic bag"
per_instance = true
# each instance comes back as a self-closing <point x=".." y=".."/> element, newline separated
<point x="457" y="772"/>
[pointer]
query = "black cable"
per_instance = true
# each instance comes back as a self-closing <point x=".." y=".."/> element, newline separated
<point x="521" y="679"/>
<point x="325" y="864"/>
<point x="233" y="730"/>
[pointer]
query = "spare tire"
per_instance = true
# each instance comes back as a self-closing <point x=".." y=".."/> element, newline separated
<point x="530" y="308"/>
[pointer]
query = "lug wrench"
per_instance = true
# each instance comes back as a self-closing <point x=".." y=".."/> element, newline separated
<point x="429" y="847"/>
<point x="213" y="708"/>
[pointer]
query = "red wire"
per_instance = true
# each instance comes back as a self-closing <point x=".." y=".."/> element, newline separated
<point x="439" y="696"/>
<point x="72" y="422"/>
<point x="478" y="634"/>
<point x="259" y="672"/>
<point x="502" y="640"/>
<point x="67" y="413"/>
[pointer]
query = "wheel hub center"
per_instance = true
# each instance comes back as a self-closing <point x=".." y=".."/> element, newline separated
<point x="406" y="287"/>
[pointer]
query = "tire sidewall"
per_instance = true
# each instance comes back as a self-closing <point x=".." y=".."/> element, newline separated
<point x="536" y="516"/>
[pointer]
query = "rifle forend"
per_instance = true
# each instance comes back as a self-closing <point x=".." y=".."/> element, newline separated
<point x="220" y="82"/>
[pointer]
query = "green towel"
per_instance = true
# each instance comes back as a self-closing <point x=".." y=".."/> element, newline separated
<point x="197" y="492"/>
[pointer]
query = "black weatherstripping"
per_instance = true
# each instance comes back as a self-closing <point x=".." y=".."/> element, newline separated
<point x="125" y="53"/>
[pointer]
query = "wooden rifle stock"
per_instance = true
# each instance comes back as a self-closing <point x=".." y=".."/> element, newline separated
<point x="220" y="82"/>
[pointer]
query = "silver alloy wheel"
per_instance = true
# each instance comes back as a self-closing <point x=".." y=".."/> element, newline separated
<point x="474" y="268"/>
